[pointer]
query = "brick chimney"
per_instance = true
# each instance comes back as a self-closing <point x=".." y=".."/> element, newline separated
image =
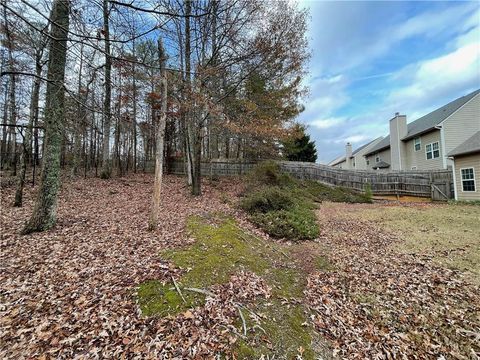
<point x="398" y="130"/>
<point x="348" y="154"/>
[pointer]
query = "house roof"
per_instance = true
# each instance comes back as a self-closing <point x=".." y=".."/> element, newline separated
<point x="343" y="158"/>
<point x="428" y="122"/>
<point x="384" y="144"/>
<point x="364" y="146"/>
<point x="381" y="165"/>
<point x="337" y="161"/>
<point x="471" y="145"/>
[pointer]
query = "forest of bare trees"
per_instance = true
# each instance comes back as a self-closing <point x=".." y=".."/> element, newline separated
<point x="83" y="90"/>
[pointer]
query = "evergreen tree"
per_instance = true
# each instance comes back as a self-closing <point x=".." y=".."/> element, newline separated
<point x="299" y="147"/>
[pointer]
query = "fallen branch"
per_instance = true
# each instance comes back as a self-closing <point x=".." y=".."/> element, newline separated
<point x="233" y="330"/>
<point x="200" y="291"/>
<point x="178" y="290"/>
<point x="244" y="323"/>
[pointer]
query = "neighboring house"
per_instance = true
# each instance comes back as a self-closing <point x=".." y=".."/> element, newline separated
<point x="466" y="168"/>
<point x="354" y="160"/>
<point x="424" y="144"/>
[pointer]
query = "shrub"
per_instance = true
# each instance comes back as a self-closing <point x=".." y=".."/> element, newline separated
<point x="267" y="199"/>
<point x="294" y="224"/>
<point x="284" y="206"/>
<point x="268" y="173"/>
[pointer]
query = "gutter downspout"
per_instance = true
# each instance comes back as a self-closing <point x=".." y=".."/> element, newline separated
<point x="442" y="141"/>
<point x="454" y="180"/>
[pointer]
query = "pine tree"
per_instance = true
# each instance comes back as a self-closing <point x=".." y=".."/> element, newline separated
<point x="299" y="147"/>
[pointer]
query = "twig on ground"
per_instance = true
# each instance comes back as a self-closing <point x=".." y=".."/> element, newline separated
<point x="178" y="290"/>
<point x="200" y="291"/>
<point x="244" y="323"/>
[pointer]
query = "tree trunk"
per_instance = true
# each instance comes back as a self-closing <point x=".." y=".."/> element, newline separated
<point x="78" y="122"/>
<point x="134" y="121"/>
<point x="191" y="135"/>
<point x="106" y="168"/>
<point x="44" y="212"/>
<point x="27" y="140"/>
<point x="12" y="139"/>
<point x="4" y="149"/>
<point x="160" y="135"/>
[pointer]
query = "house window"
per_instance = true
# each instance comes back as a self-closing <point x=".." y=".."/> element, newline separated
<point x="414" y="168"/>
<point x="417" y="144"/>
<point x="368" y="162"/>
<point x="468" y="179"/>
<point x="353" y="163"/>
<point x="377" y="159"/>
<point x="432" y="150"/>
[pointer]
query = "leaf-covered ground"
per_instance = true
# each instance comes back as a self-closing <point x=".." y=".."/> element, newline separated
<point x="78" y="290"/>
<point x="380" y="303"/>
<point x="70" y="291"/>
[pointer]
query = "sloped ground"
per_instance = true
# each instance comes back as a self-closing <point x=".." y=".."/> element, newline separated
<point x="380" y="302"/>
<point x="72" y="292"/>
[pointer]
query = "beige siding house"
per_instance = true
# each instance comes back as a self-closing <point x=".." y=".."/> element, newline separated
<point x="354" y="160"/>
<point x="466" y="168"/>
<point x="425" y="143"/>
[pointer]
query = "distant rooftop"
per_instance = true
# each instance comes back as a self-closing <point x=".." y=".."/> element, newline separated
<point x="428" y="122"/>
<point x="471" y="145"/>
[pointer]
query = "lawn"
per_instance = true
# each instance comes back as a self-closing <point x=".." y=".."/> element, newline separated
<point x="448" y="233"/>
<point x="210" y="282"/>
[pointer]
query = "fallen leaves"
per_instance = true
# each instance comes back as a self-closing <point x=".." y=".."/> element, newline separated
<point x="70" y="292"/>
<point x="380" y="304"/>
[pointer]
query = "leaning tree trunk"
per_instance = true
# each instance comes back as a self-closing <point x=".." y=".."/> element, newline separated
<point x="44" y="212"/>
<point x="157" y="186"/>
<point x="106" y="168"/>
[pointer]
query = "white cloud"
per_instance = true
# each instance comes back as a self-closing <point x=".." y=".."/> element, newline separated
<point x="327" y="123"/>
<point x="436" y="79"/>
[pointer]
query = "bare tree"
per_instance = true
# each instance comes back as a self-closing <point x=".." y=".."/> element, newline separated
<point x="106" y="168"/>
<point x="162" y="118"/>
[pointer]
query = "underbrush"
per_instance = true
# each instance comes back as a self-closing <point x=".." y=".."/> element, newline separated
<point x="284" y="206"/>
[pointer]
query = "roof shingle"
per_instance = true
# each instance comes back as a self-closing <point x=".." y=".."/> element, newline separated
<point x="470" y="145"/>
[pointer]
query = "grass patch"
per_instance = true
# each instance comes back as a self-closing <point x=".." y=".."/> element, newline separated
<point x="448" y="233"/>
<point x="221" y="249"/>
<point x="284" y="206"/>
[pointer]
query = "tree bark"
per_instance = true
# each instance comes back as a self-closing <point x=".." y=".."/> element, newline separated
<point x="44" y="212"/>
<point x="160" y="135"/>
<point x="27" y="140"/>
<point x="106" y="167"/>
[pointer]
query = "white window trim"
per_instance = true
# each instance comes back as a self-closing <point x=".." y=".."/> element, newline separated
<point x="474" y="182"/>
<point x="432" y="151"/>
<point x="415" y="144"/>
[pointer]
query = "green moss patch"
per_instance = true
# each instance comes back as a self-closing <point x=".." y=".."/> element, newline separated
<point x="220" y="250"/>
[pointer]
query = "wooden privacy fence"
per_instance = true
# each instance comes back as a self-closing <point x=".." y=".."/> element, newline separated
<point x="435" y="184"/>
<point x="215" y="168"/>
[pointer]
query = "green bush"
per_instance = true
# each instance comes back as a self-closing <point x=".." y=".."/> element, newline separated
<point x="322" y="192"/>
<point x="294" y="224"/>
<point x="284" y="206"/>
<point x="268" y="173"/>
<point x="267" y="199"/>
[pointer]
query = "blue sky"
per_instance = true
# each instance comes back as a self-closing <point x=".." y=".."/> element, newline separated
<point x="371" y="59"/>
